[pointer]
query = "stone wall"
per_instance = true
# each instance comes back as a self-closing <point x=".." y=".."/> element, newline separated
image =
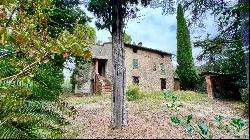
<point x="83" y="79"/>
<point x="149" y="80"/>
<point x="176" y="84"/>
<point x="209" y="86"/>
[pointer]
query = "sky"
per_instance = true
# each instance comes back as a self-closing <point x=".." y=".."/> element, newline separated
<point x="155" y="31"/>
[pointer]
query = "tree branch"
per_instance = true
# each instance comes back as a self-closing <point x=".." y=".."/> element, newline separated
<point x="7" y="24"/>
<point x="26" y="69"/>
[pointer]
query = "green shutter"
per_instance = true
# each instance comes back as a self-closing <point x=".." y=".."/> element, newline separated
<point x="154" y="67"/>
<point x="163" y="70"/>
<point x="135" y="64"/>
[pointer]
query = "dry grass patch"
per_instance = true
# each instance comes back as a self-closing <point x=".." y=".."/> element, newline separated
<point x="146" y="116"/>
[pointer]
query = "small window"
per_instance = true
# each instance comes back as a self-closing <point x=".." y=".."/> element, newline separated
<point x="134" y="50"/>
<point x="135" y="80"/>
<point x="154" y="67"/>
<point x="163" y="70"/>
<point x="135" y="64"/>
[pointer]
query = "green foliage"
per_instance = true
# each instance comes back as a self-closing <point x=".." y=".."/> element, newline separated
<point x="67" y="86"/>
<point x="73" y="80"/>
<point x="173" y="98"/>
<point x="189" y="118"/>
<point x="185" y="68"/>
<point x="31" y="108"/>
<point x="175" y="120"/>
<point x="218" y="118"/>
<point x="133" y="93"/>
<point x="203" y="128"/>
<point x="26" y="116"/>
<point x="232" y="19"/>
<point x="47" y="82"/>
<point x="228" y="59"/>
<point x="102" y="9"/>
<point x="235" y="126"/>
<point x="31" y="64"/>
<point x="127" y="38"/>
<point x="65" y="15"/>
<point x="238" y="123"/>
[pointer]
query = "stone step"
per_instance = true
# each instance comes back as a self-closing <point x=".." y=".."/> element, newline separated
<point x="107" y="87"/>
<point x="107" y="92"/>
<point x="106" y="83"/>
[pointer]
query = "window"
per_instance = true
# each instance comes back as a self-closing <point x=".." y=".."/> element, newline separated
<point x="135" y="80"/>
<point x="134" y="50"/>
<point x="163" y="71"/>
<point x="135" y="64"/>
<point x="154" y="67"/>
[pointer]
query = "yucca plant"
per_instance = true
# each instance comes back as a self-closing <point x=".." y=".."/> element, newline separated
<point x="33" y="110"/>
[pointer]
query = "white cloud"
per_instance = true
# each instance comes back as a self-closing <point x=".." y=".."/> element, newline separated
<point x="154" y="30"/>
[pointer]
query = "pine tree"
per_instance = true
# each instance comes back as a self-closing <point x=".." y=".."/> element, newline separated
<point x="185" y="68"/>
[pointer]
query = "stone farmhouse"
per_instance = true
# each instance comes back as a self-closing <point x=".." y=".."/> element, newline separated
<point x="148" y="68"/>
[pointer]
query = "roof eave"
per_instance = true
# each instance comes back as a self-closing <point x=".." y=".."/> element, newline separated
<point x="150" y="49"/>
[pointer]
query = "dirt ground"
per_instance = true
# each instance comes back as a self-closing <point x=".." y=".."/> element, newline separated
<point x="147" y="118"/>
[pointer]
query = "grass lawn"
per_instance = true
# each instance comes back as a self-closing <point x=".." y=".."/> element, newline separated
<point x="148" y="117"/>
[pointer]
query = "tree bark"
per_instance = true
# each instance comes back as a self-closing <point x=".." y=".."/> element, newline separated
<point x="245" y="37"/>
<point x="119" y="112"/>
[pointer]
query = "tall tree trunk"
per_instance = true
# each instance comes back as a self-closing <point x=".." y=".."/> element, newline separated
<point x="119" y="112"/>
<point x="245" y="36"/>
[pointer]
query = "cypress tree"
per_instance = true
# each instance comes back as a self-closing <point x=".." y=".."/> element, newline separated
<point x="185" y="68"/>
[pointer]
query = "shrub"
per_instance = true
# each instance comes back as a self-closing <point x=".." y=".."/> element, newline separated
<point x="200" y="85"/>
<point x="133" y="93"/>
<point x="31" y="108"/>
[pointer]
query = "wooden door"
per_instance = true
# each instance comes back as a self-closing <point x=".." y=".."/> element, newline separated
<point x="163" y="84"/>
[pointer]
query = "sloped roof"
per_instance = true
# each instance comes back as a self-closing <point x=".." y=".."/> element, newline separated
<point x="212" y="73"/>
<point x="143" y="47"/>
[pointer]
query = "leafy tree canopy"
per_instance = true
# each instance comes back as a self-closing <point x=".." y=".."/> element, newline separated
<point x="64" y="15"/>
<point x="102" y="9"/>
<point x="30" y="65"/>
<point x="127" y="38"/>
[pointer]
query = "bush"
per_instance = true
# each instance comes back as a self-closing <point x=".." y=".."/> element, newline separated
<point x="133" y="93"/>
<point x="31" y="107"/>
<point x="201" y="85"/>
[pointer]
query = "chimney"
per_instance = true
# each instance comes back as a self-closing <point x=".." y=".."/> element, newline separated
<point x="140" y="44"/>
